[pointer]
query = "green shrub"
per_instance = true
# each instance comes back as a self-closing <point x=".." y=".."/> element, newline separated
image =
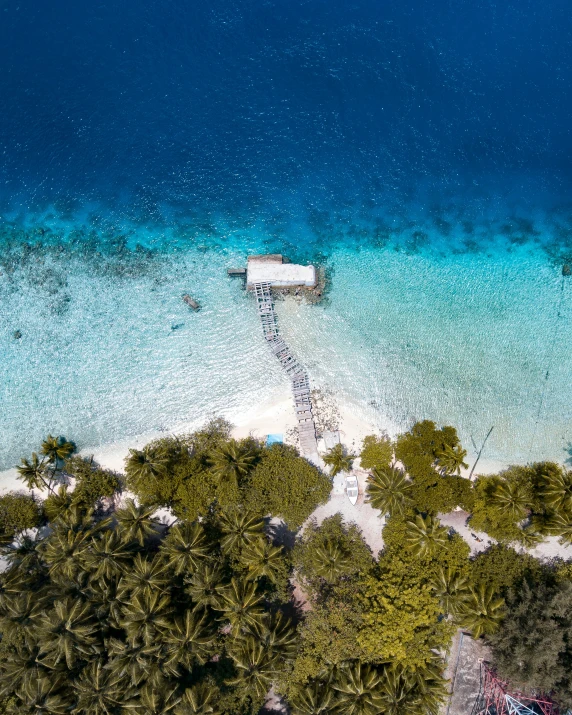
<point x="286" y="485"/>
<point x="502" y="501"/>
<point x="330" y="552"/>
<point x="199" y="490"/>
<point x="419" y="448"/>
<point x="376" y="452"/>
<point x="502" y="568"/>
<point x="533" y="648"/>
<point x="174" y="471"/>
<point x="419" y="451"/>
<point x="92" y="482"/>
<point x="401" y="617"/>
<point x="18" y="512"/>
<point x="328" y="637"/>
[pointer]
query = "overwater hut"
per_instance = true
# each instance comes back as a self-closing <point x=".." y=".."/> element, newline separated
<point x="272" y="269"/>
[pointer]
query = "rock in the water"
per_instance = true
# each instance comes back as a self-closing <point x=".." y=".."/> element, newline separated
<point x="567" y="269"/>
<point x="17" y="335"/>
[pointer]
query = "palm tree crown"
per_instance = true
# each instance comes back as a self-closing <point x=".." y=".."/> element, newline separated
<point x="232" y="462"/>
<point x="389" y="490"/>
<point x="556" y="490"/>
<point x="452" y="459"/>
<point x="511" y="498"/>
<point x="137" y="522"/>
<point x="146" y="463"/>
<point x="424" y="535"/>
<point x="338" y="460"/>
<point x="240" y="528"/>
<point x="482" y="611"/>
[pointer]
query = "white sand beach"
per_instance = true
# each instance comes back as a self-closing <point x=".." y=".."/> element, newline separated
<point x="277" y="417"/>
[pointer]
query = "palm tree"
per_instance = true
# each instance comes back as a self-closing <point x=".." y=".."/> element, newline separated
<point x="241" y="604"/>
<point x="189" y="641"/>
<point x="257" y="666"/>
<point x="511" y="498"/>
<point x="262" y="559"/>
<point x="199" y="700"/>
<point x="19" y="614"/>
<point x="57" y="449"/>
<point x="231" y="462"/>
<point x="276" y="633"/>
<point x="107" y="606"/>
<point x="23" y="553"/>
<point x="330" y="561"/>
<point x="131" y="661"/>
<point x="39" y="473"/>
<point x="430" y="688"/>
<point x="22" y="668"/>
<point x="482" y="611"/>
<point x="35" y="474"/>
<point x="452" y="459"/>
<point x="451" y="588"/>
<point x="530" y="537"/>
<point x="146" y="464"/>
<point x="397" y="690"/>
<point x="185" y="547"/>
<point x="145" y="577"/>
<point x="63" y="550"/>
<point x="314" y="699"/>
<point x="559" y="524"/>
<point x="146" y="617"/>
<point x="240" y="528"/>
<point x="338" y="460"/>
<point x="136" y="522"/>
<point x="107" y="556"/>
<point x="156" y="701"/>
<point x="389" y="490"/>
<point x="204" y="586"/>
<point x="99" y="690"/>
<point x="58" y="503"/>
<point x="358" y="691"/>
<point x="45" y="695"/>
<point x="425" y="535"/>
<point x="556" y="491"/>
<point x="67" y="634"/>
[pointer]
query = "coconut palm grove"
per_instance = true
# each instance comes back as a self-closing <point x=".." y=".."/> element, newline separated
<point x="194" y="582"/>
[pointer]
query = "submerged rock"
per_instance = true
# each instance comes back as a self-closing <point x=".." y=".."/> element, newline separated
<point x="567" y="269"/>
<point x="17" y="335"/>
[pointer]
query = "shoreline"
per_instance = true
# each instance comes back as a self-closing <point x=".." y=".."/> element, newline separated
<point x="275" y="416"/>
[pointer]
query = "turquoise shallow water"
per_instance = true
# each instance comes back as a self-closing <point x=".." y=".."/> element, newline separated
<point x="420" y="151"/>
<point x="410" y="328"/>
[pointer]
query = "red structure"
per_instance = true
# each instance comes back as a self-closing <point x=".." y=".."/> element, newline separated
<point x="495" y="698"/>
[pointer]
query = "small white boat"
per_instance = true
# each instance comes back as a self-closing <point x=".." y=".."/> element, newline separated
<point x="352" y="489"/>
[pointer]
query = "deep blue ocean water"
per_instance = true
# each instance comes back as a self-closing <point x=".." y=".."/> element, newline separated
<point x="426" y="141"/>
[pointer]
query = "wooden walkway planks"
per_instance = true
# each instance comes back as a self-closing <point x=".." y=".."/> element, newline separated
<point x="295" y="371"/>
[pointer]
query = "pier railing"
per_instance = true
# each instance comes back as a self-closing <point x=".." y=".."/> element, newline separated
<point x="298" y="376"/>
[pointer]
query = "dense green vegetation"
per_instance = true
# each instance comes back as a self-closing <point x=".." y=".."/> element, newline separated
<point x="522" y="504"/>
<point x="123" y="615"/>
<point x="533" y="649"/>
<point x="188" y="474"/>
<point x="111" y="611"/>
<point x="18" y="512"/>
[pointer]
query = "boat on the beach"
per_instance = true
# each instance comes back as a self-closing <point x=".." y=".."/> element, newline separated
<point x="352" y="488"/>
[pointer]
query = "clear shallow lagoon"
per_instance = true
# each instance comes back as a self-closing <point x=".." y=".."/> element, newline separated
<point x="420" y="153"/>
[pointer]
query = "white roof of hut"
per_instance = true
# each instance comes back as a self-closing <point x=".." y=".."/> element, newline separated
<point x="271" y="269"/>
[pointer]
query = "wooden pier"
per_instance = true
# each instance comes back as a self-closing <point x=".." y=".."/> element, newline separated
<point x="297" y="374"/>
